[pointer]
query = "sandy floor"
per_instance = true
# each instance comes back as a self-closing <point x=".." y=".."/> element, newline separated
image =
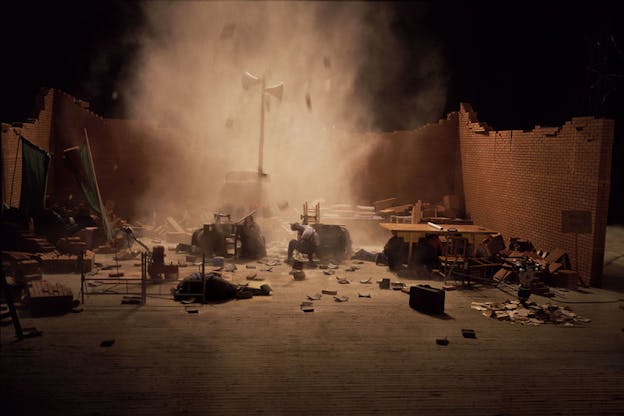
<point x="265" y="356"/>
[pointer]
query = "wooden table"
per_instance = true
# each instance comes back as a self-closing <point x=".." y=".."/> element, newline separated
<point x="412" y="232"/>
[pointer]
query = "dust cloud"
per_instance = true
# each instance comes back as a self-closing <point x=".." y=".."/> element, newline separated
<point x="188" y="80"/>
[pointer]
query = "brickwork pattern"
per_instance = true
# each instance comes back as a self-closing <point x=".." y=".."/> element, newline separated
<point x="37" y="132"/>
<point x="518" y="182"/>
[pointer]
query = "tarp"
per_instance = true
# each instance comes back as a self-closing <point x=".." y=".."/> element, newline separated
<point x="35" y="162"/>
<point x="78" y="160"/>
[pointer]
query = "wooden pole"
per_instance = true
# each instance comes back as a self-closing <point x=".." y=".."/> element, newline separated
<point x="260" y="150"/>
<point x="19" y="142"/>
<point x="97" y="189"/>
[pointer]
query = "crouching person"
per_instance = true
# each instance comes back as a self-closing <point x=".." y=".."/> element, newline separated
<point x="307" y="241"/>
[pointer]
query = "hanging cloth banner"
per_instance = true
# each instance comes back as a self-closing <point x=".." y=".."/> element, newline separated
<point x="78" y="160"/>
<point x="35" y="163"/>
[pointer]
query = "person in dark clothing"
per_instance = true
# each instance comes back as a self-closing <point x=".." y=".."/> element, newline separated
<point x="395" y="252"/>
<point x="307" y="241"/>
<point x="429" y="248"/>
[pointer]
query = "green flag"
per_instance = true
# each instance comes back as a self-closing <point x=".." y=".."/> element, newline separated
<point x="78" y="160"/>
<point x="35" y="163"/>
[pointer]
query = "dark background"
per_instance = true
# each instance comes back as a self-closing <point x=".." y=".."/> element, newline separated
<point x="519" y="64"/>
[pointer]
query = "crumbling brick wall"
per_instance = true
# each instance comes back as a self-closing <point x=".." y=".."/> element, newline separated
<point x="38" y="132"/>
<point x="518" y="183"/>
<point x="410" y="165"/>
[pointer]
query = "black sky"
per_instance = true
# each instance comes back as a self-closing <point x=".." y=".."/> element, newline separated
<point x="519" y="64"/>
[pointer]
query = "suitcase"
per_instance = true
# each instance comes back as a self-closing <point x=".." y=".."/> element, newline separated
<point x="427" y="299"/>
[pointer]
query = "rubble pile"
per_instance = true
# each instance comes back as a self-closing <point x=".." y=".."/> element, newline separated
<point x="530" y="313"/>
<point x="522" y="263"/>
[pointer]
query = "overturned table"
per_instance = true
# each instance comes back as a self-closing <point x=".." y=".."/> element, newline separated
<point x="410" y="233"/>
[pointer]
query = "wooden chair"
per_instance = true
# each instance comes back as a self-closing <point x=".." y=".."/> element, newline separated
<point x="453" y="261"/>
<point x="311" y="215"/>
<point x="414" y="217"/>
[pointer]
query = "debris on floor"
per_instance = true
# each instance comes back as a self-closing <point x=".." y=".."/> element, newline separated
<point x="297" y="274"/>
<point x="342" y="280"/>
<point x="442" y="341"/>
<point x="307" y="306"/>
<point x="316" y="296"/>
<point x="254" y="276"/>
<point x="469" y="333"/>
<point x="341" y="298"/>
<point x="329" y="292"/>
<point x="131" y="300"/>
<point x="47" y="298"/>
<point x="530" y="313"/>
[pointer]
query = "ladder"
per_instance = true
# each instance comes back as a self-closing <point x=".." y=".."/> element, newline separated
<point x="20" y="333"/>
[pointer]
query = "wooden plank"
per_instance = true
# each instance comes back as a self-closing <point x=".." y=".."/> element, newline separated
<point x="175" y="225"/>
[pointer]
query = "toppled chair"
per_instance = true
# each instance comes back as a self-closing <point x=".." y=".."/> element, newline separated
<point x="453" y="261"/>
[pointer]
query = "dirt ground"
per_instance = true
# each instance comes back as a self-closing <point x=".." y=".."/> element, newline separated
<point x="365" y="356"/>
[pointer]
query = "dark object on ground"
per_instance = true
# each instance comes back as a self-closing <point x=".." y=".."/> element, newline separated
<point x="427" y="299"/>
<point x="131" y="300"/>
<point x="442" y="341"/>
<point x="107" y="343"/>
<point x="223" y="238"/>
<point x="469" y="333"/>
<point x="524" y="293"/>
<point x="213" y="288"/>
<point x="46" y="298"/>
<point x="335" y="242"/>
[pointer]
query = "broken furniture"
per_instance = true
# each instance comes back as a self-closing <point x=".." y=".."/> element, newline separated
<point x="225" y="238"/>
<point x="218" y="238"/>
<point x="454" y="257"/>
<point x="311" y="215"/>
<point x="384" y="203"/>
<point x="414" y="217"/>
<point x="410" y="233"/>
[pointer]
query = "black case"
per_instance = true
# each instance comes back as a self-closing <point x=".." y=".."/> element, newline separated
<point x="427" y="299"/>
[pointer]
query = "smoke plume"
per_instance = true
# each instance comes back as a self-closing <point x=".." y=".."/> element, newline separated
<point x="188" y="79"/>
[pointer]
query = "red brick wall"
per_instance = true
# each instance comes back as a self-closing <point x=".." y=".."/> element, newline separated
<point x="38" y="132"/>
<point x="419" y="164"/>
<point x="518" y="182"/>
